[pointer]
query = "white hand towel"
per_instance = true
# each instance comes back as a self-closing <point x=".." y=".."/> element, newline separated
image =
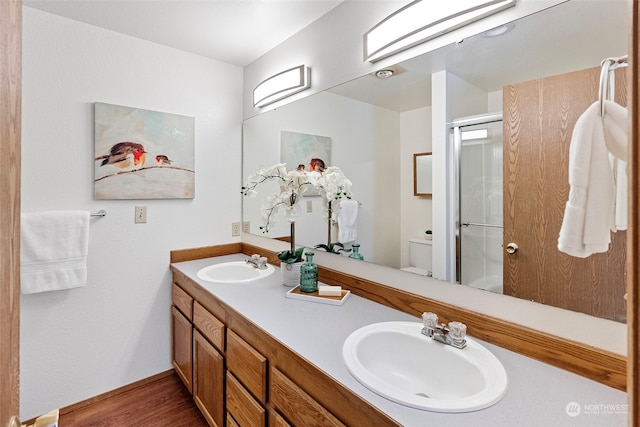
<point x="615" y="122"/>
<point x="348" y="221"/>
<point x="589" y="213"/>
<point x="53" y="252"/>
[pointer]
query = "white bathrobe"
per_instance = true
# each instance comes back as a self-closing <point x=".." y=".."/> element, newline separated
<point x="589" y="212"/>
<point x="616" y="122"/>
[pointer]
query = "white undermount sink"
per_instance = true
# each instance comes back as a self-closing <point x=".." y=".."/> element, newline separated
<point x="394" y="360"/>
<point x="233" y="272"/>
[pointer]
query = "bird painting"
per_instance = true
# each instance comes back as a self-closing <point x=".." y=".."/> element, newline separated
<point x="142" y="154"/>
<point x="124" y="155"/>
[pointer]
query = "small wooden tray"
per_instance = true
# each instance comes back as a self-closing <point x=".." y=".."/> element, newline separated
<point x="296" y="293"/>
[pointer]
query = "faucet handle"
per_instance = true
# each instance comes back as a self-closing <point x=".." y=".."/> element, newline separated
<point x="255" y="257"/>
<point x="429" y="320"/>
<point x="457" y="330"/>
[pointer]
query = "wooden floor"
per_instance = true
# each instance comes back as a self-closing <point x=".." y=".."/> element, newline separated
<point x="162" y="401"/>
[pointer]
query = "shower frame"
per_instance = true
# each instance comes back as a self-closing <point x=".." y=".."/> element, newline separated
<point x="455" y="153"/>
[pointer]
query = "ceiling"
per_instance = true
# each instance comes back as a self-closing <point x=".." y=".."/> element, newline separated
<point x="573" y="35"/>
<point x="232" y="31"/>
<point x="567" y="37"/>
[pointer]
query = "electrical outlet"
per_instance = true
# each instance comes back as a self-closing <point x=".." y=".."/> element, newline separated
<point x="236" y="228"/>
<point x="246" y="227"/>
<point x="140" y="215"/>
<point x="309" y="206"/>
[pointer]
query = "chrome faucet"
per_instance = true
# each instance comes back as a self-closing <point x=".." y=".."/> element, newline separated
<point x="453" y="334"/>
<point x="259" y="262"/>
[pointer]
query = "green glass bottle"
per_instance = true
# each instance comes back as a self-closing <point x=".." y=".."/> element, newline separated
<point x="356" y="252"/>
<point x="309" y="274"/>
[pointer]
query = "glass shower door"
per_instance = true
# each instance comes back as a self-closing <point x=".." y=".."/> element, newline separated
<point x="479" y="150"/>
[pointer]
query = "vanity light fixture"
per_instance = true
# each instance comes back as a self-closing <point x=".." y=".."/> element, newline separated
<point x="282" y="85"/>
<point x="420" y="21"/>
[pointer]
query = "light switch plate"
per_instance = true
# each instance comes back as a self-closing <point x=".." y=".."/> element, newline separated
<point x="140" y="215"/>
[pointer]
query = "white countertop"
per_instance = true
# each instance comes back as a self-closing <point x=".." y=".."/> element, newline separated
<point x="538" y="394"/>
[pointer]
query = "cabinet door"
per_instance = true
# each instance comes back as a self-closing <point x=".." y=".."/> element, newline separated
<point x="181" y="335"/>
<point x="208" y="380"/>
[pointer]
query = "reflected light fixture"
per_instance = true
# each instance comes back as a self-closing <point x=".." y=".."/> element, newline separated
<point x="384" y="74"/>
<point x="423" y="20"/>
<point x="498" y="31"/>
<point x="282" y="85"/>
<point x="469" y="135"/>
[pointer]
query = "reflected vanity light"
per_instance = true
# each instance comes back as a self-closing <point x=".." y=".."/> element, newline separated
<point x="420" y="21"/>
<point x="282" y="85"/>
<point x="469" y="135"/>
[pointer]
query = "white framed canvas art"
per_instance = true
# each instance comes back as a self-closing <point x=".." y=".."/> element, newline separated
<point x="143" y="154"/>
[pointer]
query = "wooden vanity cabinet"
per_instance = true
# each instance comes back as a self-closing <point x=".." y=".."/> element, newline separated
<point x="182" y="335"/>
<point x="243" y="376"/>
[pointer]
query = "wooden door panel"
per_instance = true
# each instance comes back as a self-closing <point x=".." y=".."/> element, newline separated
<point x="10" y="134"/>
<point x="538" y="121"/>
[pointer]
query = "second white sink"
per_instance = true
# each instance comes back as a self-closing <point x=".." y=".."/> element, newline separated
<point x="394" y="360"/>
<point x="233" y="272"/>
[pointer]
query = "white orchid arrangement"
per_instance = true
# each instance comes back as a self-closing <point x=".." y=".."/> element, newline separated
<point x="331" y="184"/>
<point x="293" y="184"/>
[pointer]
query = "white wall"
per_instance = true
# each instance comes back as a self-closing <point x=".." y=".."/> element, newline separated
<point x="83" y="342"/>
<point x="415" y="128"/>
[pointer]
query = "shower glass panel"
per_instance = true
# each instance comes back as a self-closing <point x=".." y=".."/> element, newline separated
<point x="479" y="184"/>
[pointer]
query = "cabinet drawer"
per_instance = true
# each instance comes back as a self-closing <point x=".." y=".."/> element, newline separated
<point x="296" y="405"/>
<point x="245" y="410"/>
<point x="231" y="422"/>
<point x="275" y="420"/>
<point x="182" y="300"/>
<point x="209" y="326"/>
<point x="249" y="366"/>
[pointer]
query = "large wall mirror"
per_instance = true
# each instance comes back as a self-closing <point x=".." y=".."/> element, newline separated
<point x="373" y="126"/>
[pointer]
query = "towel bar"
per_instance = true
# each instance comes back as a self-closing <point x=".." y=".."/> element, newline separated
<point x="101" y="212"/>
